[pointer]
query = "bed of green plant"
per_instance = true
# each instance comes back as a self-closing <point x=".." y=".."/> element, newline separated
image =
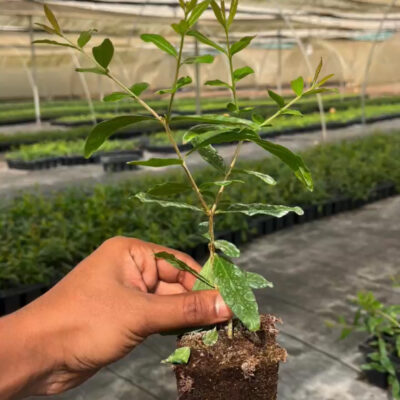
<point x="160" y="139"/>
<point x="58" y="108"/>
<point x="15" y="112"/>
<point x="20" y="138"/>
<point x="283" y="123"/>
<point x="44" y="236"/>
<point x="63" y="148"/>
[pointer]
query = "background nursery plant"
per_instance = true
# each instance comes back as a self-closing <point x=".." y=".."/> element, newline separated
<point x="382" y="348"/>
<point x="235" y="285"/>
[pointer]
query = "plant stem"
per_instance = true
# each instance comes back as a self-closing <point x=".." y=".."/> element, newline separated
<point x="231" y="166"/>
<point x="280" y="111"/>
<point x="162" y="120"/>
<point x="178" y="66"/>
<point x="233" y="82"/>
<point x="389" y="318"/>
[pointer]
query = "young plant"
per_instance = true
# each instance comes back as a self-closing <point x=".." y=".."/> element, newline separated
<point x="382" y="322"/>
<point x="235" y="285"/>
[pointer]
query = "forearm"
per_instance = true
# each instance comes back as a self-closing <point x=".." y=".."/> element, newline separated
<point x="25" y="359"/>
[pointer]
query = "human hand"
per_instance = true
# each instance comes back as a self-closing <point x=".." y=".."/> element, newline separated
<point x="101" y="310"/>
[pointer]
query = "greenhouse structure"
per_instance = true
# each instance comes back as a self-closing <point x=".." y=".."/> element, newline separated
<point x="199" y="199"/>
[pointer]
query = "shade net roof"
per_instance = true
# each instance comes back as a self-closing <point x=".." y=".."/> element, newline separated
<point x="339" y="30"/>
<point x="345" y="19"/>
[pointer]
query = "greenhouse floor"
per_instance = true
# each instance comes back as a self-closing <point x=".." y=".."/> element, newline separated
<point x="12" y="181"/>
<point x="315" y="268"/>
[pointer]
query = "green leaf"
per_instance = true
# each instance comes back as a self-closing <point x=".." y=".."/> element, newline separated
<point x="85" y="37"/>
<point x="53" y="42"/>
<point x="194" y="134"/>
<point x="179" y="356"/>
<point x="241" y="44"/>
<point x="395" y="385"/>
<point x="46" y="28"/>
<point x="218" y="13"/>
<point x="225" y="137"/>
<point x="103" y="53"/>
<point x="292" y="160"/>
<point x="169" y="188"/>
<point x="116" y="96"/>
<point x="231" y="107"/>
<point x="160" y="42"/>
<point x="259" y="208"/>
<point x="206" y="59"/>
<point x="257" y="281"/>
<point x="94" y="70"/>
<point x="185" y="80"/>
<point x="257" y="118"/>
<point x="157" y="162"/>
<point x="277" y="98"/>
<point x="227" y="183"/>
<point x="180" y="28"/>
<point x="203" y="39"/>
<point x="295" y="113"/>
<point x="241" y="73"/>
<point x="215" y="120"/>
<point x="236" y="292"/>
<point x="217" y="82"/>
<point x="232" y="12"/>
<point x="317" y="72"/>
<point x="197" y="11"/>
<point x="166" y="91"/>
<point x="325" y="79"/>
<point x="139" y="88"/>
<point x="373" y="366"/>
<point x="211" y="156"/>
<point x="102" y="131"/>
<point x="179" y="264"/>
<point x="228" y="248"/>
<point x="264" y="177"/>
<point x="144" y="198"/>
<point x="298" y="86"/>
<point x="190" y="5"/>
<point x="206" y="273"/>
<point x="52" y="19"/>
<point x="210" y="337"/>
<point x="320" y="90"/>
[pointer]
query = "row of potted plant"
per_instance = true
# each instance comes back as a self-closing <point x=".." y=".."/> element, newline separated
<point x="14" y="112"/>
<point x="44" y="236"/>
<point x="284" y="125"/>
<point x="62" y="152"/>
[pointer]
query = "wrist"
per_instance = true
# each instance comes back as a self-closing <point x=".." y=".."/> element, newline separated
<point x="27" y="359"/>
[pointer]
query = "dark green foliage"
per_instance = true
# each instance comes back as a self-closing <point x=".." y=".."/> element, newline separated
<point x="43" y="237"/>
<point x="382" y="323"/>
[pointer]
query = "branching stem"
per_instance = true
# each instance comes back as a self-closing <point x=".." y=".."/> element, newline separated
<point x="163" y="120"/>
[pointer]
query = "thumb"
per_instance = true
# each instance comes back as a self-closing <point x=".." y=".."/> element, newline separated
<point x="199" y="308"/>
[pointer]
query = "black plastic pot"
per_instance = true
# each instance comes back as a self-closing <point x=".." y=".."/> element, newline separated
<point x="374" y="377"/>
<point x="115" y="163"/>
<point x="13" y="299"/>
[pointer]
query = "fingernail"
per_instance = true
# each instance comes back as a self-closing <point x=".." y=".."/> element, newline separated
<point x="221" y="309"/>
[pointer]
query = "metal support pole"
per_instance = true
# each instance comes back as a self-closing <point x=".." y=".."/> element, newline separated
<point x="279" y="69"/>
<point x="369" y="62"/>
<point x="342" y="62"/>
<point x="84" y="86"/>
<point x="310" y="69"/>
<point x="35" y="90"/>
<point x="197" y="78"/>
